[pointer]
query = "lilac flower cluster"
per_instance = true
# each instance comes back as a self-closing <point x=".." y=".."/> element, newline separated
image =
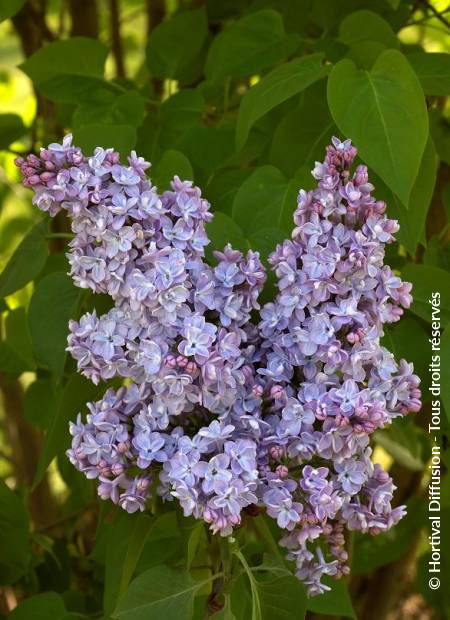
<point x="218" y="410"/>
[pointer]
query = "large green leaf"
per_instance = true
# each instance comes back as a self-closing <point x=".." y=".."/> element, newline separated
<point x="274" y="88"/>
<point x="433" y="71"/>
<point x="52" y="305"/>
<point x="126" y="540"/>
<point x="249" y="45"/>
<point x="78" y="56"/>
<point x="18" y="336"/>
<point x="14" y="536"/>
<point x="75" y="394"/>
<point x="426" y="280"/>
<point x="174" y="44"/>
<point x="160" y="592"/>
<point x="335" y="602"/>
<point x="412" y="218"/>
<point x="26" y="262"/>
<point x="367" y="35"/>
<point x="383" y="111"/>
<point x="208" y="148"/>
<point x="41" y="403"/>
<point x="182" y="110"/>
<point x="11" y="129"/>
<point x="123" y="109"/>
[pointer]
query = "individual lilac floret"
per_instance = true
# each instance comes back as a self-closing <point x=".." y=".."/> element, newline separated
<point x="219" y="410"/>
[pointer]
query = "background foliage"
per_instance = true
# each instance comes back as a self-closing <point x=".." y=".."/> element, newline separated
<point x="242" y="96"/>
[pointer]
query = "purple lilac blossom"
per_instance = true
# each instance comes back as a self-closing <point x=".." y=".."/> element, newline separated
<point x="221" y="411"/>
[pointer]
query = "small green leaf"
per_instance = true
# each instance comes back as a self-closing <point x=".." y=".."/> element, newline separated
<point x="11" y="129"/>
<point x="274" y="88"/>
<point x="76" y="393"/>
<point x="433" y="71"/>
<point x="53" y="303"/>
<point x="377" y="110"/>
<point x="171" y="163"/>
<point x="14" y="536"/>
<point x="160" y="592"/>
<point x="122" y="138"/>
<point x="249" y="45"/>
<point x="26" y="262"/>
<point x="175" y="44"/>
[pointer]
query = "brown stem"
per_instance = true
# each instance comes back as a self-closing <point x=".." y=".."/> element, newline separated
<point x="436" y="13"/>
<point x="84" y="17"/>
<point x="116" y="39"/>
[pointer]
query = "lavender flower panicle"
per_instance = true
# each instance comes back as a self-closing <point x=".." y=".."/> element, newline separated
<point x="222" y="412"/>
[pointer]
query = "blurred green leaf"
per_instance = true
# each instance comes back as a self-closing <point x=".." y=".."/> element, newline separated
<point x="362" y="26"/>
<point x="78" y="56"/>
<point x="406" y="443"/>
<point x="8" y="8"/>
<point x="18" y="336"/>
<point x="440" y="133"/>
<point x="376" y="110"/>
<point x="76" y="393"/>
<point x="171" y="163"/>
<point x="249" y="45"/>
<point x="426" y="280"/>
<point x="371" y="552"/>
<point x="41" y="607"/>
<point x="160" y="592"/>
<point x="14" y="536"/>
<point x="274" y="88"/>
<point x="174" y="44"/>
<point x="11" y="129"/>
<point x="53" y="303"/>
<point x="26" y="262"/>
<point x="433" y="71"/>
<point x="41" y="403"/>
<point x="121" y="138"/>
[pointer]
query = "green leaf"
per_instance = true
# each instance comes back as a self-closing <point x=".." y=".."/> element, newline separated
<point x="126" y="109"/>
<point x="78" y="56"/>
<point x="222" y="188"/>
<point x="427" y="280"/>
<point x="14" y="536"/>
<point x="52" y="305"/>
<point x="433" y="71"/>
<point x="126" y="540"/>
<point x="41" y="403"/>
<point x="274" y="88"/>
<point x="222" y="230"/>
<point x="76" y="393"/>
<point x="440" y="133"/>
<point x="79" y="89"/>
<point x="249" y="45"/>
<point x="406" y="443"/>
<point x="259" y="202"/>
<point x="122" y="138"/>
<point x="160" y="592"/>
<point x="208" y="148"/>
<point x="8" y="8"/>
<point x="175" y="44"/>
<point x="163" y="544"/>
<point x="18" y="336"/>
<point x="377" y="110"/>
<point x="182" y="110"/>
<point x="26" y="262"/>
<point x="371" y="552"/>
<point x="336" y="602"/>
<point x="297" y="143"/>
<point x="41" y="607"/>
<point x="11" y="129"/>
<point x="412" y="218"/>
<point x="171" y="163"/>
<point x="362" y="26"/>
